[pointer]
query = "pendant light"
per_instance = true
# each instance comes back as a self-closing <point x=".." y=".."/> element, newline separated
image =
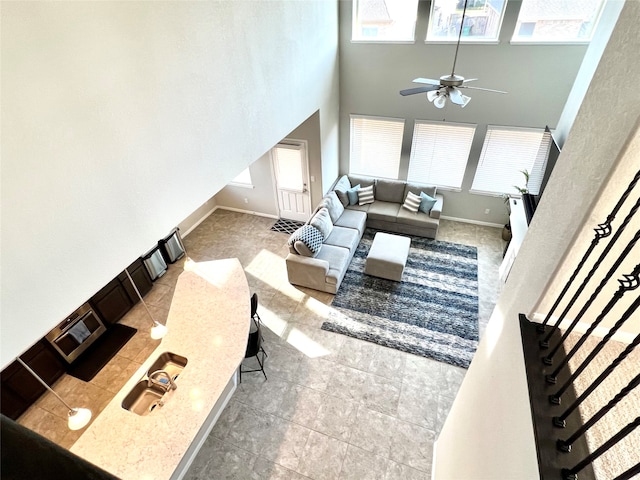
<point x="78" y="417"/>
<point x="158" y="330"/>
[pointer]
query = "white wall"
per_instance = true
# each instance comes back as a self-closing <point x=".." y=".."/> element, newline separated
<point x="121" y="118"/>
<point x="488" y="433"/>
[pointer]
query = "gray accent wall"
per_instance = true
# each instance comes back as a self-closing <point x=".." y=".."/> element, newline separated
<point x="537" y="77"/>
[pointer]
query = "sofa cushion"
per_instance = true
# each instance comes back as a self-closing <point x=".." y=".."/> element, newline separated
<point x="416" y="188"/>
<point x="341" y="188"/>
<point x="322" y="221"/>
<point x="352" y="219"/>
<point x="436" y="210"/>
<point x="363" y="181"/>
<point x="360" y="208"/>
<point x="390" y="190"/>
<point x="306" y="241"/>
<point x="426" y="202"/>
<point x="417" y="219"/>
<point x="344" y="237"/>
<point x="333" y="204"/>
<point x="412" y="202"/>
<point x="387" y="211"/>
<point x="352" y="194"/>
<point x="338" y="260"/>
<point x="365" y="195"/>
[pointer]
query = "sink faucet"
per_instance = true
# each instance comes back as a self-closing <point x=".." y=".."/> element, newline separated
<point x="169" y="384"/>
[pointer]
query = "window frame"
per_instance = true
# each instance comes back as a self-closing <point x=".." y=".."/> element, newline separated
<point x="517" y="40"/>
<point x="536" y="167"/>
<point x="356" y="27"/>
<point x="462" y="162"/>
<point x="434" y="40"/>
<point x="395" y="144"/>
<point x="236" y="183"/>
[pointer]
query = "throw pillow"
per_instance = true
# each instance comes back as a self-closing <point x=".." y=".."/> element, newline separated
<point x="412" y="202"/>
<point x="365" y="195"/>
<point x="307" y="241"/>
<point x="322" y="221"/>
<point x="427" y="203"/>
<point x="341" y="188"/>
<point x="334" y="205"/>
<point x="352" y="193"/>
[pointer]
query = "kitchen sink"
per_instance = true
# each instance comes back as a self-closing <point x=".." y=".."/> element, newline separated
<point x="143" y="399"/>
<point x="146" y="396"/>
<point x="171" y="363"/>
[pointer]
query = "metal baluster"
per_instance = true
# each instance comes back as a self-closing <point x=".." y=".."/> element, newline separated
<point x="555" y="398"/>
<point x="548" y="360"/>
<point x="602" y="230"/>
<point x="545" y="342"/>
<point x="633" y="471"/>
<point x="560" y="421"/>
<point x="630" y="282"/>
<point x="571" y="474"/>
<point x="565" y="445"/>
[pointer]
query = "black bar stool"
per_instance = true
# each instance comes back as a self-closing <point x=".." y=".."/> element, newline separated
<point x="254" y="348"/>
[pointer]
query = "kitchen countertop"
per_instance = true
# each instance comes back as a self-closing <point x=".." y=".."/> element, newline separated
<point x="208" y="323"/>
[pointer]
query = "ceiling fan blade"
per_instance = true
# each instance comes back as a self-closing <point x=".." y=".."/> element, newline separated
<point x="428" y="81"/>
<point x="485" y="89"/>
<point x="413" y="91"/>
<point x="469" y="80"/>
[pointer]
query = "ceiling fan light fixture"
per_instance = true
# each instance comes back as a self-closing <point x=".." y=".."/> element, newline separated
<point x="440" y="101"/>
<point x="432" y="95"/>
<point x="465" y="101"/>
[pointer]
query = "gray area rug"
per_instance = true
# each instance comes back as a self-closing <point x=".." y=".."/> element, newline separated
<point x="433" y="312"/>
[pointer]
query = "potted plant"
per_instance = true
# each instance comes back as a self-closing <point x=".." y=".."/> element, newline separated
<point x="523" y="190"/>
<point x="506" y="230"/>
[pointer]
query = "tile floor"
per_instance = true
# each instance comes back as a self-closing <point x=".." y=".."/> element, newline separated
<point x="333" y="407"/>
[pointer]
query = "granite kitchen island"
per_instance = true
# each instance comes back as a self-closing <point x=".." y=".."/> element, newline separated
<point x="208" y="323"/>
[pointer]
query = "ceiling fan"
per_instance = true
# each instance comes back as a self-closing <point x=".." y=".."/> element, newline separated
<point x="448" y="86"/>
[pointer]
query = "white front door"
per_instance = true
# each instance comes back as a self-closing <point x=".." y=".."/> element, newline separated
<point x="292" y="179"/>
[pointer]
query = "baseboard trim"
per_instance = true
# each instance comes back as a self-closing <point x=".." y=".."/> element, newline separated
<point x="249" y="212"/>
<point x="582" y="327"/>
<point x="474" y="222"/>
<point x="202" y="219"/>
<point x="231" y="209"/>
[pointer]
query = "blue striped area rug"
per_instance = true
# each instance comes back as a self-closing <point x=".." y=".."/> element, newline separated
<point x="433" y="312"/>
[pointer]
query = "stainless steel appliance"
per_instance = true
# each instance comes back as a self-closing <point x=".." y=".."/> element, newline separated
<point x="75" y="333"/>
<point x="172" y="246"/>
<point x="156" y="266"/>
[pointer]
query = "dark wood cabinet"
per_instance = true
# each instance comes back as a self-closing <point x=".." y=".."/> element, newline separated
<point x="116" y="298"/>
<point x="20" y="388"/>
<point x="140" y="276"/>
<point x="111" y="302"/>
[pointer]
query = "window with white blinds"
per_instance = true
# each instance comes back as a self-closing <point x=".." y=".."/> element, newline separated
<point x="506" y="152"/>
<point x="439" y="153"/>
<point x="376" y="143"/>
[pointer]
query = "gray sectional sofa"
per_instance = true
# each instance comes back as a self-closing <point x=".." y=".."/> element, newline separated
<point x="321" y="250"/>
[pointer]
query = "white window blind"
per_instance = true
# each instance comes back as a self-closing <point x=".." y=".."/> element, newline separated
<point x="375" y="146"/>
<point x="506" y="152"/>
<point x="439" y="153"/>
<point x="288" y="162"/>
<point x="244" y="178"/>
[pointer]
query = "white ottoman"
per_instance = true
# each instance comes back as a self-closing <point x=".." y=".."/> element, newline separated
<point x="387" y="256"/>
